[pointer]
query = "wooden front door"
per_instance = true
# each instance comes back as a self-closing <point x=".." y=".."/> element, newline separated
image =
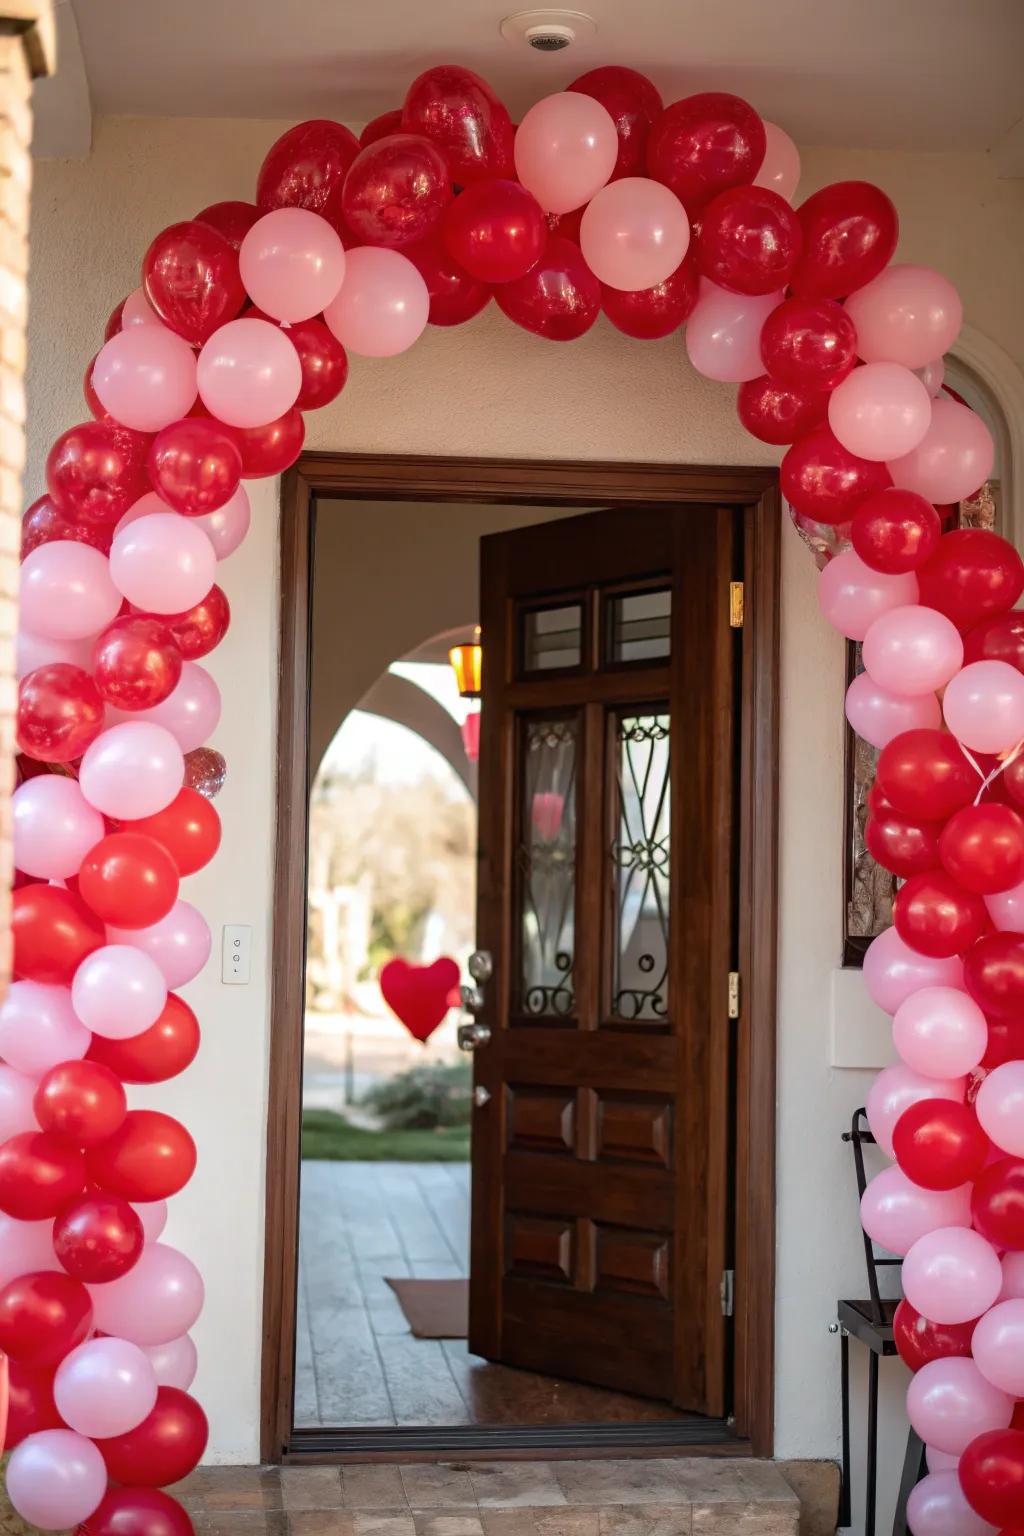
<point x="601" y="1139"/>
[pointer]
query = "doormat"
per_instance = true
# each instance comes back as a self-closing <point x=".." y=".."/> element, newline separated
<point x="434" y="1309"/>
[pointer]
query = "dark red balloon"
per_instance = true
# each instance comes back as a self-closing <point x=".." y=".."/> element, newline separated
<point x="53" y="932"/>
<point x="39" y="1173"/>
<point x="825" y="481"/>
<point x="939" y="1144"/>
<point x="850" y="229"/>
<point x="160" y="1052"/>
<point x="936" y="916"/>
<point x="924" y="775"/>
<point x="83" y="1101"/>
<point x="43" y="523"/>
<point x="164" y="1448"/>
<point x="902" y="846"/>
<point x="129" y="880"/>
<point x="749" y="240"/>
<point x="560" y="298"/>
<point x="380" y="127"/>
<point x="997" y="639"/>
<point x="649" y="313"/>
<point x="1005" y="1042"/>
<point x="997" y="1203"/>
<point x="633" y="103"/>
<point x="495" y="231"/>
<point x="454" y="296"/>
<point x="200" y="629"/>
<point x="918" y="1340"/>
<point x="460" y="113"/>
<point x="982" y="848"/>
<point x="135" y="662"/>
<point x="137" y="1512"/>
<point x="232" y="219"/>
<point x="114" y="319"/>
<point x="973" y="575"/>
<point x="306" y="168"/>
<point x="704" y="145"/>
<point x="30" y="1404"/>
<point x="189" y="829"/>
<point x="96" y="471"/>
<point x="994" y="974"/>
<point x="273" y="448"/>
<point x="324" y="363"/>
<point x="42" y="1316"/>
<point x="59" y="713"/>
<point x="396" y="190"/>
<point x="809" y="343"/>
<point x="195" y="465"/>
<point x="775" y="413"/>
<point x="99" y="1237"/>
<point x="191" y="278"/>
<point x="150" y="1157"/>
<point x="895" y="531"/>
<point x="991" y="1473"/>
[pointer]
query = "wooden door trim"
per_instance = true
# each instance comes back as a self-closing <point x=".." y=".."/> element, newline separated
<point x="584" y="483"/>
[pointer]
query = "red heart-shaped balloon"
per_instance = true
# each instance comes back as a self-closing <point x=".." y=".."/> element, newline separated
<point x="419" y="994"/>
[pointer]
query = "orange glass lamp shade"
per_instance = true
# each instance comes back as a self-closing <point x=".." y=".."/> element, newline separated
<point x="467" y="664"/>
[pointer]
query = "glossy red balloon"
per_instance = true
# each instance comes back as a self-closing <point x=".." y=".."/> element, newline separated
<point x="991" y="1473"/>
<point x="997" y="1203"/>
<point x="273" y="448"/>
<point x="30" y="1404"/>
<point x="997" y="639"/>
<point x="137" y="1512"/>
<point x="98" y="1238"/>
<point x="825" y="481"/>
<point x="749" y="240"/>
<point x="96" y="471"/>
<point x="164" y="1448"/>
<point x="195" y="465"/>
<point x="495" y="231"/>
<point x="396" y="190"/>
<point x="850" y="229"/>
<point x="895" y="531"/>
<point x="560" y="298"/>
<point x="114" y="319"/>
<point x="939" y="1144"/>
<point x="460" y="113"/>
<point x="189" y="829"/>
<point x="231" y="219"/>
<point x="902" y="846"/>
<point x="936" y="916"/>
<point x="191" y="278"/>
<point x="306" y="168"/>
<point x="982" y="848"/>
<point x="129" y="880"/>
<point x="994" y="974"/>
<point x="1005" y="1042"/>
<point x="775" y="413"/>
<point x="704" y="145"/>
<point x="159" y="1053"/>
<point x="454" y="296"/>
<point x="39" y="1173"/>
<point x="200" y="629"/>
<point x="380" y="127"/>
<point x="918" y="1340"/>
<point x="135" y="662"/>
<point x="973" y="575"/>
<point x="53" y="931"/>
<point x="649" y="313"/>
<point x="59" y="713"/>
<point x="809" y="343"/>
<point x="633" y="103"/>
<point x="43" y="523"/>
<point x="42" y="1316"/>
<point x="924" y="775"/>
<point x="83" y="1101"/>
<point x="323" y="359"/>
<point x="150" y="1157"/>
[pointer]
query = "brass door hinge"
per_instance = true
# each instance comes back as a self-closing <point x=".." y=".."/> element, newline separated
<point x="734" y="994"/>
<point x="736" y="605"/>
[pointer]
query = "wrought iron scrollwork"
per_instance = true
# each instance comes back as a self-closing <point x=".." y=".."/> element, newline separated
<point x="640" y="853"/>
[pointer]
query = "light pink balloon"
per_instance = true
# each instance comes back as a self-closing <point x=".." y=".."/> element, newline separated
<point x="153" y="1215"/>
<point x="880" y="411"/>
<point x="780" y="168"/>
<point x="997" y="1345"/>
<point x="895" y="1089"/>
<point x="932" y="375"/>
<point x="249" y="373"/>
<point x="940" y="1461"/>
<point x="179" y="944"/>
<point x="39" y="1028"/>
<point x="565" y="150"/>
<point x="951" y="1275"/>
<point x="383" y="304"/>
<point x="984" y="706"/>
<point x="907" y="315"/>
<point x="634" y="233"/>
<point x="56" y="1479"/>
<point x="25" y="1246"/>
<point x="949" y="1402"/>
<point x="937" y="1507"/>
<point x="105" y="1387"/>
<point x="118" y="992"/>
<point x="191" y="711"/>
<point x="137" y="310"/>
<point x="54" y="826"/>
<point x="1006" y="909"/>
<point x="145" y="505"/>
<point x="67" y="591"/>
<point x="17" y="1091"/>
<point x="852" y="596"/>
<point x="292" y="264"/>
<point x="156" y="1301"/>
<point x="174" y="1363"/>
<point x="1000" y="1107"/>
<point x="723" y="335"/>
<point x="878" y="715"/>
<point x="1013" y="1277"/>
<point x="940" y="1032"/>
<point x="228" y="526"/>
<point x="145" y="377"/>
<point x="952" y="460"/>
<point x="914" y="650"/>
<point x="895" y="1212"/>
<point x="162" y="562"/>
<point x="132" y="770"/>
<point x="39" y="651"/>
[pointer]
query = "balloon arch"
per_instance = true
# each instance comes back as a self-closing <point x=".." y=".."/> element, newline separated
<point x="601" y="199"/>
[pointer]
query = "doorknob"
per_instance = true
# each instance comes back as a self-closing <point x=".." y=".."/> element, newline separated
<point x="472" y="1036"/>
<point x="472" y="998"/>
<point x="481" y="966"/>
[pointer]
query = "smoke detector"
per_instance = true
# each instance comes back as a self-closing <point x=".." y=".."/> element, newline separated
<point x="548" y="31"/>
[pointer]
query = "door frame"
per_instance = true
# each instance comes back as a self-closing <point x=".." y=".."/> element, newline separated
<point x="584" y="484"/>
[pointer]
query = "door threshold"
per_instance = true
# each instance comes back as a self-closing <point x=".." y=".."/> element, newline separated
<point x="494" y="1442"/>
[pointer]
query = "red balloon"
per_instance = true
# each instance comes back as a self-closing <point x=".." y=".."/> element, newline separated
<point x="991" y="1473"/>
<point x="1005" y="1042"/>
<point x="164" y="1448"/>
<point x="936" y="916"/>
<point x="189" y="829"/>
<point x="96" y="471"/>
<point x="918" y="1340"/>
<point x="30" y="1404"/>
<point x="774" y="413"/>
<point x="568" y="224"/>
<point x="43" y="523"/>
<point x="560" y="298"/>
<point x="150" y="1157"/>
<point x="633" y="103"/>
<point x="232" y="219"/>
<point x="997" y="639"/>
<point x="159" y="1053"/>
<point x="939" y="1144"/>
<point x="704" y="145"/>
<point x="200" y="629"/>
<point x="129" y="880"/>
<point x="135" y="662"/>
<point x="114" y="319"/>
<point x="42" y="1316"/>
<point x="39" y="1173"/>
<point x="809" y="343"/>
<point x="190" y="274"/>
<point x="324" y="363"/>
<point x="396" y="190"/>
<point x="59" y="713"/>
<point x="982" y="848"/>
<point x="137" y="1512"/>
<point x="648" y="313"/>
<point x="749" y="240"/>
<point x="825" y="481"/>
<point x="454" y="295"/>
<point x="98" y="1238"/>
<point x="902" y="846"/>
<point x="195" y="465"/>
<point x="495" y="231"/>
<point x="994" y="974"/>
<point x="464" y="118"/>
<point x="273" y="448"/>
<point x="973" y="575"/>
<point x="380" y="127"/>
<point x="1012" y="781"/>
<point x="997" y="1203"/>
<point x="924" y="775"/>
<point x="306" y="168"/>
<point x="53" y="932"/>
<point x="850" y="230"/>
<point x="82" y="1101"/>
<point x="895" y="531"/>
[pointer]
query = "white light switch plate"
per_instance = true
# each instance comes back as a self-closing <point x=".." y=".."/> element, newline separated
<point x="236" y="954"/>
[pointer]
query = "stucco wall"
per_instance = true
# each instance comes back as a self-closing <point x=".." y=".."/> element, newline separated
<point x="491" y="389"/>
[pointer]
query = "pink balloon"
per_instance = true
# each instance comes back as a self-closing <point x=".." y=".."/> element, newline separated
<point x="179" y="944"/>
<point x="952" y="460"/>
<point x="949" y="1402"/>
<point x="137" y="310"/>
<point x="191" y="711"/>
<point x="175" y="1363"/>
<point x="1013" y="1277"/>
<point x="156" y="1301"/>
<point x="25" y="1248"/>
<point x="145" y="377"/>
<point x="249" y="373"/>
<point x="39" y="1028"/>
<point x="292" y="264"/>
<point x="878" y="715"/>
<point x="951" y="1275"/>
<point x="780" y="168"/>
<point x="228" y="526"/>
<point x="998" y="1347"/>
<point x="915" y="650"/>
<point x="132" y="770"/>
<point x="54" y="826"/>
<point x="880" y="411"/>
<point x="940" y="1461"/>
<point x="383" y="304"/>
<point x="105" y="1387"/>
<point x="118" y="992"/>
<point x="56" y="1479"/>
<point x="940" y="1032"/>
<point x="38" y="651"/>
<point x="852" y="596"/>
<point x="634" y="233"/>
<point x="17" y="1114"/>
<point x="66" y="591"/>
<point x="907" y="315"/>
<point x="937" y="1507"/>
<point x="162" y="562"/>
<point x="1005" y="908"/>
<point x="1000" y="1107"/>
<point x="895" y="1089"/>
<point x="565" y="150"/>
<point x="723" y="335"/>
<point x="895" y="1212"/>
<point x="932" y="375"/>
<point x="984" y="706"/>
<point x="145" y="505"/>
<point x="153" y="1215"/>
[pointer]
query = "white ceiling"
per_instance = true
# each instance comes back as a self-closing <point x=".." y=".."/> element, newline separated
<point x="913" y="74"/>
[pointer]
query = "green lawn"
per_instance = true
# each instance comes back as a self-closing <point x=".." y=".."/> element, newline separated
<point x="326" y="1135"/>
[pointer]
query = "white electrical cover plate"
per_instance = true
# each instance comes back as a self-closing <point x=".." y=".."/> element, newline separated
<point x="236" y="955"/>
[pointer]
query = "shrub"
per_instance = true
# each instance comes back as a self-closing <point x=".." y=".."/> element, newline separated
<point x="424" y="1098"/>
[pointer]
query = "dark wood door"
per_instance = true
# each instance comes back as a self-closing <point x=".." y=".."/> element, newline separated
<point x="601" y="1146"/>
